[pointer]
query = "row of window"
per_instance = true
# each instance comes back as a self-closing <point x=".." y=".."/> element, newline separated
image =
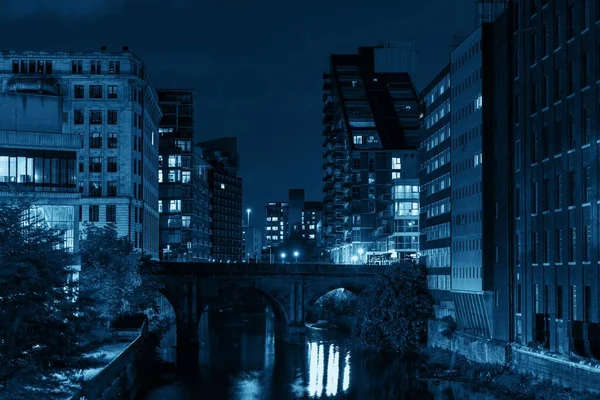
<point x="436" y="185"/>
<point x="38" y="170"/>
<point x="438" y="90"/>
<point x="437" y="114"/>
<point x="95" y="164"/>
<point x="97" y="139"/>
<point x="436" y="208"/>
<point x="541" y="246"/>
<point x="96" y="91"/>
<point x="437" y="138"/>
<point x="95" y="117"/>
<point x="439" y="282"/>
<point x="437" y="258"/>
<point x="110" y="214"/>
<point x="435" y="232"/>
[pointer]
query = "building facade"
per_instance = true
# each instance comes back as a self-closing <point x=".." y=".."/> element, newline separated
<point x="252" y="243"/>
<point x="480" y="180"/>
<point x="108" y="100"/>
<point x="556" y="197"/>
<point x="276" y="223"/>
<point x="359" y="144"/>
<point x="184" y="197"/>
<point x="225" y="199"/>
<point x="310" y="228"/>
<point x="38" y="159"/>
<point x="296" y="198"/>
<point x="435" y="197"/>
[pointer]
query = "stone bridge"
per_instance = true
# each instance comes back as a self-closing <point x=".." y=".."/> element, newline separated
<point x="290" y="289"/>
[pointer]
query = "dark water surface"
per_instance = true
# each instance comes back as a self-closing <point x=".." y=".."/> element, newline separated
<point x="240" y="360"/>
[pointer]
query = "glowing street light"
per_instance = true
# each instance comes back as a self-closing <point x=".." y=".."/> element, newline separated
<point x="296" y="254"/>
<point x="283" y="257"/>
<point x="354" y="259"/>
<point x="360" y="252"/>
<point x="248" y="211"/>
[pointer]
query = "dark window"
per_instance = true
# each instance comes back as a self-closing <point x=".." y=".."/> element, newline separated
<point x="112" y="117"/>
<point x="585" y="69"/>
<point x="81" y="166"/>
<point x="79" y="92"/>
<point x="557" y="83"/>
<point x="558" y="246"/>
<point x="572" y="243"/>
<point x="546" y="195"/>
<point x="571" y="71"/>
<point x="546" y="247"/>
<point x="518" y="202"/>
<point x="533" y="100"/>
<point x="558" y="191"/>
<point x="571" y="22"/>
<point x="111" y="213"/>
<point x="532" y="45"/>
<point x="80" y="213"/>
<point x="48" y="67"/>
<point x="587" y="126"/>
<point x="517" y="115"/>
<point x="572" y="188"/>
<point x="546" y="91"/>
<point x="112" y="91"/>
<point x="40" y="67"/>
<point x="32" y="66"/>
<point x="15" y="66"/>
<point x="78" y="118"/>
<point x="94" y="213"/>
<point x="519" y="299"/>
<point x="587" y="305"/>
<point x="96" y="140"/>
<point x="112" y="164"/>
<point x="557" y="28"/>
<point x="559" y="302"/>
<point x="534" y="248"/>
<point x="545" y="141"/>
<point x="111" y="188"/>
<point x="585" y="15"/>
<point x="95" y="91"/>
<point x="95" y="164"/>
<point x="546" y="40"/>
<point x="587" y="184"/>
<point x="112" y="140"/>
<point x="587" y="243"/>
<point x="571" y="132"/>
<point x="557" y="137"/>
<point x="95" y="189"/>
<point x="516" y="16"/>
<point x="95" y="117"/>
<point x="77" y="67"/>
<point x="534" y="198"/>
<point x="95" y="67"/>
<point x="114" y="67"/>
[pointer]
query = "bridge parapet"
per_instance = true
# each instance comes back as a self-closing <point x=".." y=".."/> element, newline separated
<point x="204" y="268"/>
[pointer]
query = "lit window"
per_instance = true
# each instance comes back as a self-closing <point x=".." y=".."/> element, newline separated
<point x="222" y="186"/>
<point x="396" y="163"/>
<point x="357" y="139"/>
<point x="479" y="102"/>
<point x="175" y="161"/>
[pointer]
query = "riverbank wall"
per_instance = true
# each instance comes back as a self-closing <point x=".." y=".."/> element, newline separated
<point x="121" y="378"/>
<point x="569" y="372"/>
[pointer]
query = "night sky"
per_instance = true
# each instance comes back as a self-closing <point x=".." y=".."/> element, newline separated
<point x="256" y="66"/>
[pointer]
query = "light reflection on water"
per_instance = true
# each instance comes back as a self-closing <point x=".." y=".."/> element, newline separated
<point x="242" y="361"/>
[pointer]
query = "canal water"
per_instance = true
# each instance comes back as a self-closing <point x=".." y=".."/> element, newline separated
<point x="240" y="360"/>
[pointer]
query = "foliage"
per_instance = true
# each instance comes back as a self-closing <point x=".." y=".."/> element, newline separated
<point x="42" y="316"/>
<point x="118" y="276"/>
<point x="392" y="313"/>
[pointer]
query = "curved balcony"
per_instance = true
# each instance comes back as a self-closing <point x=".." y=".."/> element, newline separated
<point x="34" y="84"/>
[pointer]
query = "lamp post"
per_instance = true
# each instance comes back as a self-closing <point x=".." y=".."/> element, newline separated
<point x="248" y="211"/>
<point x="283" y="257"/>
<point x="360" y="253"/>
<point x="296" y="254"/>
<point x="354" y="259"/>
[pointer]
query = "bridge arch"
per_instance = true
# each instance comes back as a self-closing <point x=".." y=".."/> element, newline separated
<point x="279" y="313"/>
<point x="332" y="305"/>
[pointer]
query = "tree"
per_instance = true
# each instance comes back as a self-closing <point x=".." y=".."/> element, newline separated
<point x="119" y="277"/>
<point x="392" y="313"/>
<point x="44" y="320"/>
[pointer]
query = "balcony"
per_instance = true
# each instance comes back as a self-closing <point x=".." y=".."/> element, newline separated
<point x="34" y="84"/>
<point x="385" y="214"/>
<point x="328" y="108"/>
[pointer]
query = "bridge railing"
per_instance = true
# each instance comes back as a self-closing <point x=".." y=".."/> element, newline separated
<point x="259" y="268"/>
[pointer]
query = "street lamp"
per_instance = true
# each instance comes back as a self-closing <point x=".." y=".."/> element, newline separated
<point x="248" y="211"/>
<point x="360" y="253"/>
<point x="283" y="257"/>
<point x="354" y="259"/>
<point x="296" y="254"/>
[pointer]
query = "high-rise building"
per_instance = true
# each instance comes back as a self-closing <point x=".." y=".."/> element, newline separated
<point x="38" y="159"/>
<point x="225" y="198"/>
<point x="296" y="199"/>
<point x="183" y="181"/>
<point x="310" y="228"/>
<point x="107" y="99"/>
<point x="276" y="223"/>
<point x="252" y="243"/>
<point x="435" y="199"/>
<point x="480" y="180"/>
<point x="371" y="136"/>
<point x="556" y="199"/>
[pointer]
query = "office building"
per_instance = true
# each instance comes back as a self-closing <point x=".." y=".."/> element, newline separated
<point x="38" y="159"/>
<point x="184" y="196"/>
<point x="225" y="198"/>
<point x="555" y="197"/>
<point x="480" y="180"/>
<point x="310" y="228"/>
<point x="108" y="100"/>
<point x="276" y="223"/>
<point x="435" y="200"/>
<point x="296" y="199"/>
<point x="368" y="150"/>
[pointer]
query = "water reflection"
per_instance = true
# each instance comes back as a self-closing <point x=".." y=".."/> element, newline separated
<point x="240" y="359"/>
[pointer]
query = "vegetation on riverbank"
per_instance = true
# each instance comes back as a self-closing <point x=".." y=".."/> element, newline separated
<point x="392" y="313"/>
<point x="441" y="364"/>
